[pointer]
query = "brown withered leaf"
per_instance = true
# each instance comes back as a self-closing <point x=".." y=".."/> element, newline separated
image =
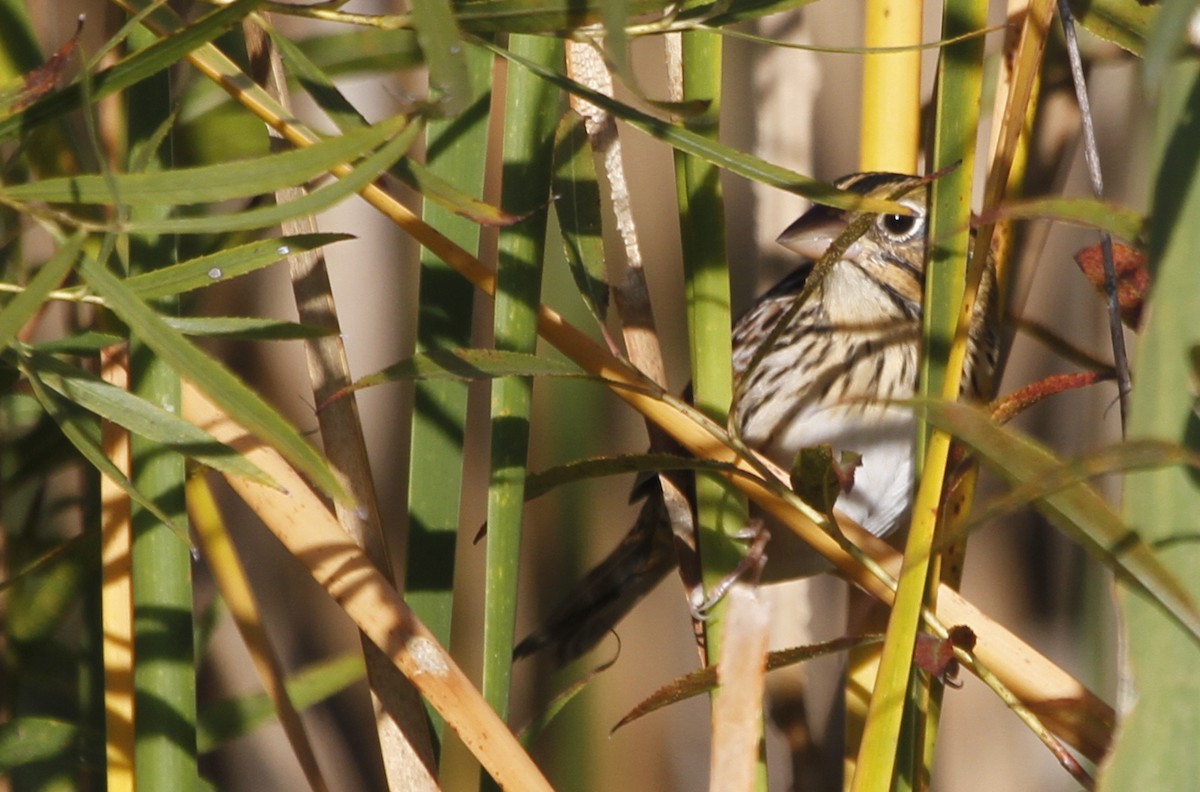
<point x="42" y="80"/>
<point x="1133" y="277"/>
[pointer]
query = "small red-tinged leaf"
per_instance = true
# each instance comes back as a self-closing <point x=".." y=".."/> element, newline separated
<point x="1133" y="277"/>
<point x="936" y="657"/>
<point x="42" y="80"/>
<point x="704" y="680"/>
<point x="1008" y="407"/>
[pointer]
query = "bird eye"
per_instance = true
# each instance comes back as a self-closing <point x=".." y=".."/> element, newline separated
<point x="901" y="228"/>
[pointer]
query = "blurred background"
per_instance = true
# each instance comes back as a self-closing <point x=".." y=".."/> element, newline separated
<point x="799" y="109"/>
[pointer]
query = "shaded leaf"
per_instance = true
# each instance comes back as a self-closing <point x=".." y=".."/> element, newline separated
<point x="1125" y="23"/>
<point x="817" y="479"/>
<point x="577" y="206"/>
<point x="1077" y="510"/>
<point x="1090" y="212"/>
<point x="227" y="720"/>
<point x="138" y="415"/>
<point x="28" y="739"/>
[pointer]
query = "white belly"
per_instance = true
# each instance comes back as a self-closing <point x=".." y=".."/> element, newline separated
<point x="884" y="437"/>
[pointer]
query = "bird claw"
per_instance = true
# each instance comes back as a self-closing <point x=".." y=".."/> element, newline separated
<point x="749" y="568"/>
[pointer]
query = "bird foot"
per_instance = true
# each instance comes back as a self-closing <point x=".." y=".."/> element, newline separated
<point x="749" y="568"/>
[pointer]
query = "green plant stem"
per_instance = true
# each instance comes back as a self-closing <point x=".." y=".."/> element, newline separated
<point x="721" y="511"/>
<point x="444" y="322"/>
<point x="532" y="110"/>
<point x="164" y="674"/>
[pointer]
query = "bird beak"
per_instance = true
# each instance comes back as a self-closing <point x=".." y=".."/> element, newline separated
<point x="814" y="232"/>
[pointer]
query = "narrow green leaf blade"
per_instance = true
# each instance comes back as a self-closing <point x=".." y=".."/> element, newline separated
<point x="437" y="32"/>
<point x="224" y="265"/>
<point x="223" y="182"/>
<point x="226" y="390"/>
<point x="711" y="151"/>
<point x="139" y="416"/>
<point x="22" y="307"/>
<point x="1077" y="509"/>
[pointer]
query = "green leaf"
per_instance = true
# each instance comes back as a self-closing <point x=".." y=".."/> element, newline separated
<point x="233" y="718"/>
<point x="443" y="50"/>
<point x="577" y="205"/>
<point x="710" y="151"/>
<point x="244" y="328"/>
<point x="1077" y="509"/>
<point x="208" y="183"/>
<point x="226" y="390"/>
<point x="363" y="174"/>
<point x="431" y="186"/>
<point x="86" y="343"/>
<point x="542" y="16"/>
<point x="1118" y="220"/>
<point x="139" y="416"/>
<point x="467" y="365"/>
<point x="28" y="302"/>
<point x="224" y="265"/>
<point x="362" y="50"/>
<point x="83" y="432"/>
<point x="29" y="739"/>
<point x="1155" y="746"/>
<point x="1125" y="23"/>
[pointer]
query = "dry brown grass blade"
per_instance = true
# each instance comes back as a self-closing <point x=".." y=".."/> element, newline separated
<point x="301" y="521"/>
<point x="400" y="721"/>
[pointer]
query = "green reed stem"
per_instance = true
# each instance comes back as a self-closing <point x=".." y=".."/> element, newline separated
<point x="164" y="674"/>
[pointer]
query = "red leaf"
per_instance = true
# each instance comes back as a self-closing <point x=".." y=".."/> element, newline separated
<point x="1133" y="277"/>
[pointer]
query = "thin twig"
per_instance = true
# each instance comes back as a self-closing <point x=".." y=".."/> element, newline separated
<point x="1092" y="158"/>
